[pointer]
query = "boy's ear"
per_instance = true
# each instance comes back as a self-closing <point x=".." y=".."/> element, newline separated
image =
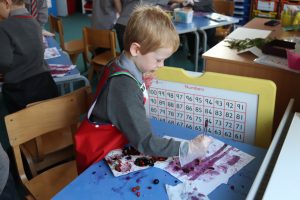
<point x="135" y="49"/>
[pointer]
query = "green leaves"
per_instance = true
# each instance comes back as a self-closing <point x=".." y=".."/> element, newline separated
<point x="240" y="45"/>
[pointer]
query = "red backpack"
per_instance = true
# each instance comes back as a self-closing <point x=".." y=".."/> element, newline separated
<point x="93" y="141"/>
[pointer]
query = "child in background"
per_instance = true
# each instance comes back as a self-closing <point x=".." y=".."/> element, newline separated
<point x="150" y="38"/>
<point x="105" y="13"/>
<point x="27" y="78"/>
<point x="7" y="185"/>
<point x="40" y="12"/>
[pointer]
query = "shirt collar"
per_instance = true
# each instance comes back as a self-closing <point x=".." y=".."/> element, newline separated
<point x="124" y="62"/>
<point x="19" y="11"/>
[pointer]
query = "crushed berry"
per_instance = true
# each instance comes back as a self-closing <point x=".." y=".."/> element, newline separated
<point x="143" y="161"/>
<point x="134" y="189"/>
<point x="197" y="161"/>
<point x="155" y="181"/>
<point x="186" y="170"/>
<point x="128" y="158"/>
<point x="138" y="194"/>
<point x="129" y="150"/>
<point x="159" y="158"/>
<point x="176" y="168"/>
<point x="211" y="168"/>
<point x="118" y="168"/>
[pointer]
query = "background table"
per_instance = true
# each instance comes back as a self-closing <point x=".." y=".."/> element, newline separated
<point x="222" y="59"/>
<point x="97" y="182"/>
<point x="201" y="23"/>
<point x="72" y="76"/>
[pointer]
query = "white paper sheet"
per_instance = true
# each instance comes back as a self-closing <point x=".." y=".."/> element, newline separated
<point x="184" y="191"/>
<point x="123" y="164"/>
<point x="59" y="70"/>
<point x="256" y="51"/>
<point x="205" y="174"/>
<point x="242" y="33"/>
<point x="220" y="163"/>
<point x="51" y="53"/>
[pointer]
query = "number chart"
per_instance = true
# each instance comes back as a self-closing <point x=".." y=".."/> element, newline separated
<point x="226" y="113"/>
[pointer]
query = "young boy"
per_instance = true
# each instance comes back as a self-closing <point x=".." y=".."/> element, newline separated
<point x="149" y="39"/>
<point x="26" y="75"/>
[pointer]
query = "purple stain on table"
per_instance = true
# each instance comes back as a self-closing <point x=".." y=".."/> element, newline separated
<point x="206" y="166"/>
<point x="118" y="190"/>
<point x="233" y="160"/>
<point x="138" y="180"/>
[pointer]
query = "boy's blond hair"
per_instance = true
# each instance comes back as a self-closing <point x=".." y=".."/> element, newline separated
<point x="152" y="28"/>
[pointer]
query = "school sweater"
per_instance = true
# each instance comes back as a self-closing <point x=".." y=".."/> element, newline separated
<point x="22" y="51"/>
<point x="104" y="14"/>
<point x="121" y="104"/>
<point x="129" y="5"/>
<point x="4" y="168"/>
<point x="42" y="10"/>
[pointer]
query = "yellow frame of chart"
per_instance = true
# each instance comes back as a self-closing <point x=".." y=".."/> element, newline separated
<point x="265" y="89"/>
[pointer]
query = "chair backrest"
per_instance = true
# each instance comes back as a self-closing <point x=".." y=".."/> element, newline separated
<point x="42" y="118"/>
<point x="225" y="7"/>
<point x="95" y="38"/>
<point x="56" y="26"/>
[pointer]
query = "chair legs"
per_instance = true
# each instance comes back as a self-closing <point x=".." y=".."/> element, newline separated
<point x="73" y="58"/>
<point x="95" y="68"/>
<point x="91" y="72"/>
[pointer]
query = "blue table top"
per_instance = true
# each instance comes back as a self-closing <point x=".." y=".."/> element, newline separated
<point x="62" y="59"/>
<point x="201" y="22"/>
<point x="98" y="182"/>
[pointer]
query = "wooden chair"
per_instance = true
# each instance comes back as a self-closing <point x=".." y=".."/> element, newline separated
<point x="225" y="7"/>
<point x="36" y="121"/>
<point x="93" y="39"/>
<point x="73" y="47"/>
<point x="55" y="147"/>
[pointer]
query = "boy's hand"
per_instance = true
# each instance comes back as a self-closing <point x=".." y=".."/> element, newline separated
<point x="47" y="33"/>
<point x="195" y="148"/>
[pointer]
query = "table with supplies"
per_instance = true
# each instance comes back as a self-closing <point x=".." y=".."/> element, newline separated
<point x="98" y="181"/>
<point x="222" y="59"/>
<point x="64" y="73"/>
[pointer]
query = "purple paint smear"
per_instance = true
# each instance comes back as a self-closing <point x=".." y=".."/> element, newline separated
<point x="198" y="167"/>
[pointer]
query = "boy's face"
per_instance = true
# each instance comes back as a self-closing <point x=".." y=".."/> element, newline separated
<point x="4" y="8"/>
<point x="153" y="60"/>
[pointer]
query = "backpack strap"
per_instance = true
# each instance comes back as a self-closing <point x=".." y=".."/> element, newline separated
<point x="116" y="71"/>
<point x="126" y="73"/>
